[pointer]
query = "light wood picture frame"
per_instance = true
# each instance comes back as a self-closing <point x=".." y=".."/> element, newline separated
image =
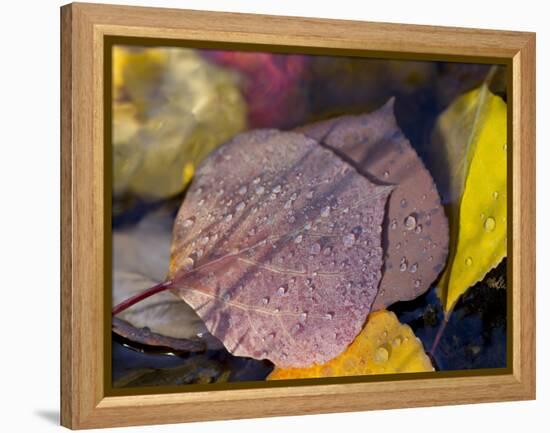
<point x="85" y="214"/>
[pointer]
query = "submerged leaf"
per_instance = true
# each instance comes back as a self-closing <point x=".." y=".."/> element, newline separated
<point x="196" y="370"/>
<point x="475" y="122"/>
<point x="415" y="227"/>
<point x="277" y="246"/>
<point x="144" y="336"/>
<point x="384" y="346"/>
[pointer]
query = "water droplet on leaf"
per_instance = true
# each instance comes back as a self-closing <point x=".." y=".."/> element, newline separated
<point x="188" y="222"/>
<point x="315" y="248"/>
<point x="349" y="240"/>
<point x="187" y="263"/>
<point x="489" y="224"/>
<point x="381" y="355"/>
<point x="410" y="222"/>
<point x="282" y="290"/>
<point x="397" y="341"/>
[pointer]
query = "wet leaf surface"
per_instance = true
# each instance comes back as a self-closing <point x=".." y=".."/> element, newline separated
<point x="277" y="247"/>
<point x="415" y="226"/>
<point x="384" y="346"/>
<point x="471" y="134"/>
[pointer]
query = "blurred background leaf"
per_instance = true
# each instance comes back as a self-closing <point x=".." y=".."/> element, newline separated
<point x="170" y="109"/>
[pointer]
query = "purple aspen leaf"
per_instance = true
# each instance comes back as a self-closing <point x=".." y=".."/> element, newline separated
<point x="277" y="247"/>
<point x="416" y="233"/>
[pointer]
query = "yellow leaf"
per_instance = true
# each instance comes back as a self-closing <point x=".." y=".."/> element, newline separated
<point x="384" y="346"/>
<point x="475" y="121"/>
<point x="171" y="107"/>
<point x="137" y="72"/>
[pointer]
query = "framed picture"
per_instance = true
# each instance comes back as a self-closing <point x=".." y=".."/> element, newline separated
<point x="267" y="216"/>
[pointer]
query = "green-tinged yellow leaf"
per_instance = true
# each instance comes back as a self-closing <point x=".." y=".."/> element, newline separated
<point x="384" y="346"/>
<point x="476" y="122"/>
<point x="137" y="74"/>
<point x="171" y="108"/>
